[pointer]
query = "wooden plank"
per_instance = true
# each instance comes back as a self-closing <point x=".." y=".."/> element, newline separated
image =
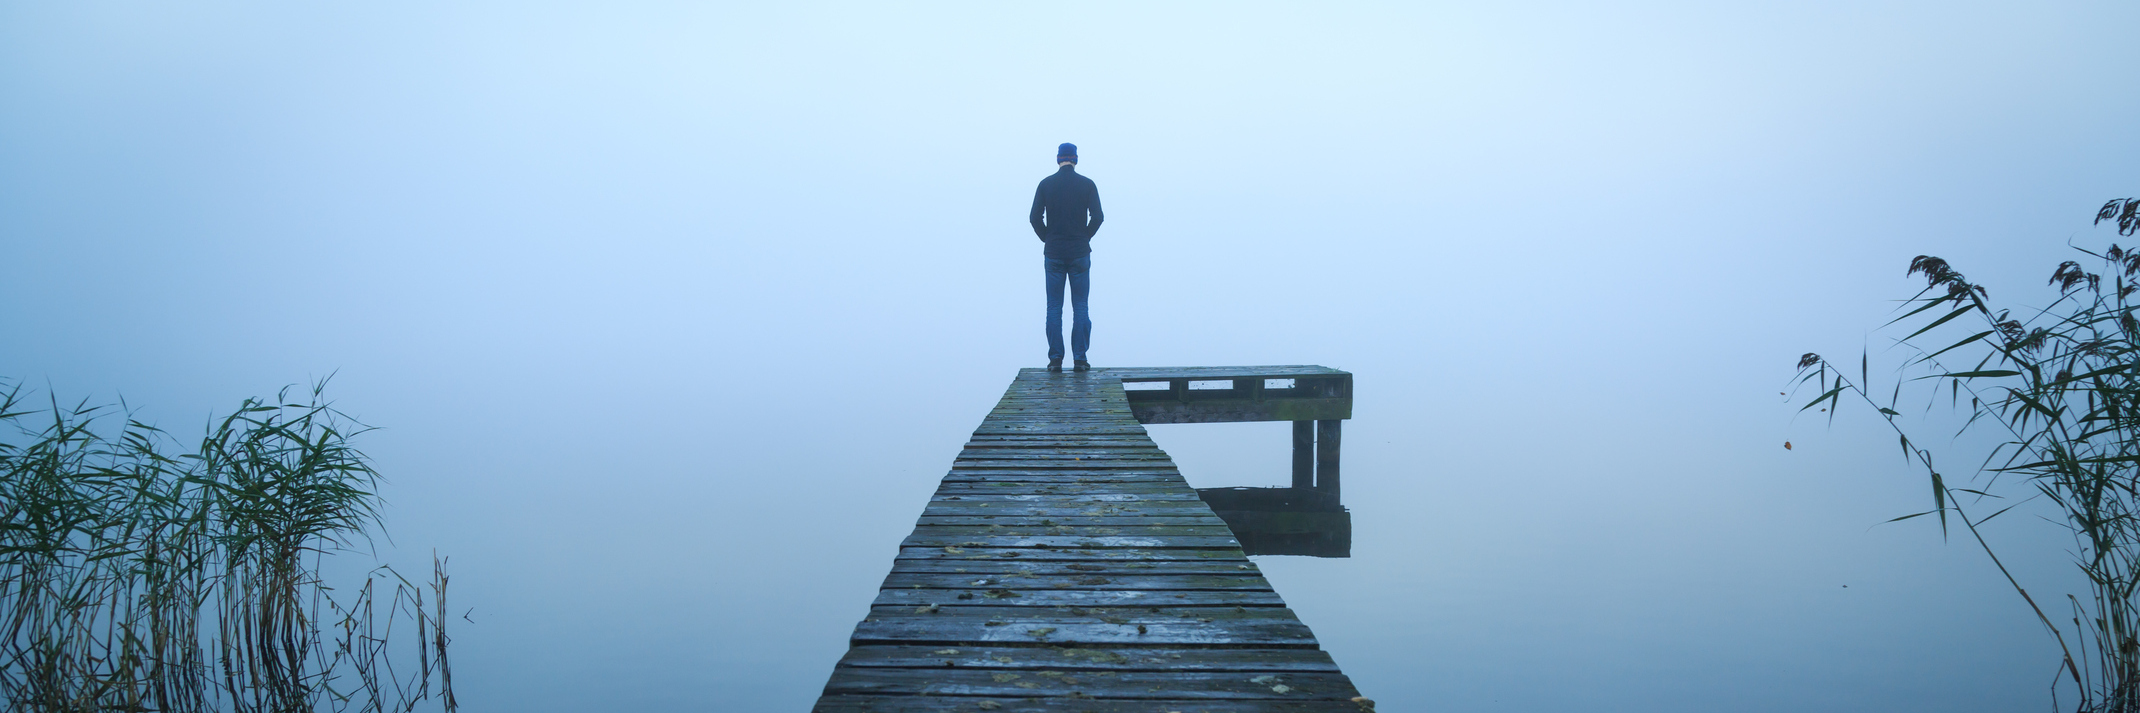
<point x="1166" y="470"/>
<point x="1138" y="444"/>
<point x="1228" y="553"/>
<point x="1161" y="508"/>
<point x="1096" y="465"/>
<point x="1128" y="438"/>
<point x="1074" y="520"/>
<point x="974" y="508"/>
<point x="1071" y="454"/>
<point x="1078" y="598"/>
<point x="878" y="703"/>
<point x="954" y="681"/>
<point x="1092" y="659"/>
<point x="1016" y="441"/>
<point x="1216" y="373"/>
<point x="1066" y="498"/>
<point x="1189" y="626"/>
<point x="1057" y="454"/>
<point x="1179" y="496"/>
<point x="962" y="476"/>
<point x="1073" y="569"/>
<point x="967" y="491"/>
<point x="970" y="505"/>
<point x="969" y="704"/>
<point x="1013" y="479"/>
<point x="1062" y="542"/>
<point x="1066" y="530"/>
<point x="1108" y="486"/>
<point x="1040" y="474"/>
<point x="1141" y="445"/>
<point x="975" y="505"/>
<point x="996" y="497"/>
<point x="1246" y="580"/>
<point x="1238" y="410"/>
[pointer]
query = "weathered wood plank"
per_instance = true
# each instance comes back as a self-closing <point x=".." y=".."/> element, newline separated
<point x="1078" y="598"/>
<point x="1156" y="475"/>
<point x="1075" y="487"/>
<point x="977" y="552"/>
<point x="1051" y="542"/>
<point x="967" y="704"/>
<point x="978" y="509"/>
<point x="1111" y="568"/>
<point x="1060" y="465"/>
<point x="998" y="483"/>
<point x="1292" y="685"/>
<point x="1179" y="496"/>
<point x="1071" y="520"/>
<point x="1042" y="626"/>
<point x="1041" y="481"/>
<point x="1082" y="455"/>
<point x="1032" y="498"/>
<point x="1058" y="510"/>
<point x="1092" y="659"/>
<point x="1062" y="452"/>
<point x="1244" y="580"/>
<point x="1082" y="444"/>
<point x="1090" y="440"/>
<point x="1216" y="373"/>
<point x="1066" y="530"/>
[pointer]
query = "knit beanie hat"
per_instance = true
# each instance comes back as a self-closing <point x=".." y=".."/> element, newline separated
<point x="1066" y="152"/>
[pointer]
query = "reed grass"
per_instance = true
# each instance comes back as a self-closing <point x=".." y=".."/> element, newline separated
<point x="135" y="576"/>
<point x="2061" y="387"/>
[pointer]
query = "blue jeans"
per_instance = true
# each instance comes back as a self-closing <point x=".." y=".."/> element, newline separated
<point x="1079" y="273"/>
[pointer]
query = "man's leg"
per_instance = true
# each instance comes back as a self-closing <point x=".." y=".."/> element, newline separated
<point x="1057" y="270"/>
<point x="1081" y="321"/>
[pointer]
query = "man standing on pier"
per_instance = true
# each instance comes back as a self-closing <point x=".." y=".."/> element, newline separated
<point x="1060" y="217"/>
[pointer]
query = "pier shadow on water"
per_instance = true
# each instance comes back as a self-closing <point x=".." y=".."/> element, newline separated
<point x="1284" y="521"/>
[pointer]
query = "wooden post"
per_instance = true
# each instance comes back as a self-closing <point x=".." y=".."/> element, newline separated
<point x="1304" y="454"/>
<point x="1327" y="438"/>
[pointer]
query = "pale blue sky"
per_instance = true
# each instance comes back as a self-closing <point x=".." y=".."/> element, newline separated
<point x="673" y="313"/>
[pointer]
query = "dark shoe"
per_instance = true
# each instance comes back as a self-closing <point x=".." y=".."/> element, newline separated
<point x="1055" y="365"/>
<point x="1083" y="365"/>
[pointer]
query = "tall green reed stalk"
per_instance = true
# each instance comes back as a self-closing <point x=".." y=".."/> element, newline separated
<point x="135" y="577"/>
<point x="2061" y="386"/>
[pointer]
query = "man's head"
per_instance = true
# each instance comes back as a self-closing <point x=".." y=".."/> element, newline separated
<point x="1066" y="153"/>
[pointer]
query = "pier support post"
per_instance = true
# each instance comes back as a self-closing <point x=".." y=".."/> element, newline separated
<point x="1328" y="436"/>
<point x="1304" y="454"/>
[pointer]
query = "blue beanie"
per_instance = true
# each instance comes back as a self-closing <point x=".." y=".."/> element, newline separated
<point x="1066" y="152"/>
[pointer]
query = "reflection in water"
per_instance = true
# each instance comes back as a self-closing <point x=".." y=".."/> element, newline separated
<point x="1284" y="521"/>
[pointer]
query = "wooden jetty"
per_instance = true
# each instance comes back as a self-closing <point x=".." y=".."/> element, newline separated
<point x="1065" y="565"/>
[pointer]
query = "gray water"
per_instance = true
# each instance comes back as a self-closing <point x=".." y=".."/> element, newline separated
<point x="672" y="316"/>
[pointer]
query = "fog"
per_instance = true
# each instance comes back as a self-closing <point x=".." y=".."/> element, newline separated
<point x="671" y="316"/>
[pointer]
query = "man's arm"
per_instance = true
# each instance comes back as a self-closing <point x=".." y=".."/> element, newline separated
<point x="1040" y="228"/>
<point x="1094" y="208"/>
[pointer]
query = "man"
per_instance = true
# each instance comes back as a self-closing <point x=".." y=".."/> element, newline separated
<point x="1061" y="207"/>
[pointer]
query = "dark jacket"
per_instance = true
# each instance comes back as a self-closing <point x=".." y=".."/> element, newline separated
<point x="1060" y="207"/>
